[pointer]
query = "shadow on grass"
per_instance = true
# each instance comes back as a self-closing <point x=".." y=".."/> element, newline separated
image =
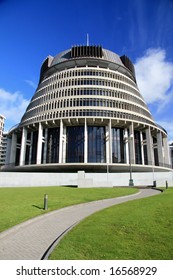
<point x="38" y="207"/>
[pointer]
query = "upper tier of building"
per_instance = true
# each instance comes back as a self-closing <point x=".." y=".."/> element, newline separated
<point x="93" y="54"/>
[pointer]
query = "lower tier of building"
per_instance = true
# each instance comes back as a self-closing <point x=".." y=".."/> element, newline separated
<point x="87" y="144"/>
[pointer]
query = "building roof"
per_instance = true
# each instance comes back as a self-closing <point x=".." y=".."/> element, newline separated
<point x="1" y="116"/>
<point x="91" y="55"/>
<point x="106" y="55"/>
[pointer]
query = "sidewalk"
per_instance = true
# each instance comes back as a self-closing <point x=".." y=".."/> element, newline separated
<point x="31" y="240"/>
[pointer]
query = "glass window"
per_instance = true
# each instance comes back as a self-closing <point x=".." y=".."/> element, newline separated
<point x="118" y="147"/>
<point x="53" y="145"/>
<point x="96" y="144"/>
<point x="156" y="157"/>
<point x="27" y="148"/>
<point x="34" y="147"/>
<point x="137" y="142"/>
<point x="75" y="144"/>
<point x="145" y="149"/>
<point x="18" y="146"/>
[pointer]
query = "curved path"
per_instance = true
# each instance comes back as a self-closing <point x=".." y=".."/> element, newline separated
<point x="32" y="239"/>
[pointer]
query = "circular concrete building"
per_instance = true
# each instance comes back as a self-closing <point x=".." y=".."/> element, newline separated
<point x="87" y="114"/>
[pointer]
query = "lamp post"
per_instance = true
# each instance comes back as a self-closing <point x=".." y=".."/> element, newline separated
<point x="128" y="140"/>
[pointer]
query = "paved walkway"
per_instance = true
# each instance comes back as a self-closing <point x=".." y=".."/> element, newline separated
<point x="32" y="239"/>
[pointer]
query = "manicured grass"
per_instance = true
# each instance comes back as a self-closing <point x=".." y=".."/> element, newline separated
<point x="140" y="229"/>
<point x="20" y="204"/>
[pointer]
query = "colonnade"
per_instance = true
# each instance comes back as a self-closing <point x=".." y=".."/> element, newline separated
<point x="146" y="145"/>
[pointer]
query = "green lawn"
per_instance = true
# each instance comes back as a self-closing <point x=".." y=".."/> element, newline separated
<point x="140" y="229"/>
<point x="20" y="204"/>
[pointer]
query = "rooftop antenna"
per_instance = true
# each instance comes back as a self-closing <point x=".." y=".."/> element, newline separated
<point x="87" y="39"/>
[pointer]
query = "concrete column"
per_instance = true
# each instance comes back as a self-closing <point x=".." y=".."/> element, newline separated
<point x="45" y="145"/>
<point x="167" y="159"/>
<point x="160" y="148"/>
<point x="131" y="143"/>
<point x="13" y="149"/>
<point x="142" y="147"/>
<point x="39" y="144"/>
<point x="64" y="140"/>
<point x="60" y="141"/>
<point x="85" y="142"/>
<point x="23" y="147"/>
<point x="110" y="141"/>
<point x="107" y="144"/>
<point x="150" y="153"/>
<point x="126" y="145"/>
<point x="8" y="151"/>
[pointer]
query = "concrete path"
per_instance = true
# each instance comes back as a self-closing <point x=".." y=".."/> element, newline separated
<point x="32" y="240"/>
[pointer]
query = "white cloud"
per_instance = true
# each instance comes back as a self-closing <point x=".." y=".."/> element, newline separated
<point x="31" y="83"/>
<point x="155" y="76"/>
<point x="155" y="81"/>
<point x="12" y="106"/>
<point x="169" y="128"/>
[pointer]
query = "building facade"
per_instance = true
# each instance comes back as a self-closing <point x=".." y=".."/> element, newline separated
<point x="2" y="120"/>
<point x="3" y="148"/>
<point x="171" y="154"/>
<point x="87" y="114"/>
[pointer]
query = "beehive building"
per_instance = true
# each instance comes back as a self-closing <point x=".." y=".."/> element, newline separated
<point x="87" y="114"/>
<point x="2" y="120"/>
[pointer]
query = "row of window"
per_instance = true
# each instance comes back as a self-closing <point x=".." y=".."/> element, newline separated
<point x="85" y="82"/>
<point x="89" y="102"/>
<point x="81" y="82"/>
<point x="86" y="72"/>
<point x="83" y="92"/>
<point x="85" y="113"/>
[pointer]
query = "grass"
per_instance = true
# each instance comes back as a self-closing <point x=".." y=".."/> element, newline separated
<point x="140" y="229"/>
<point x="20" y="204"/>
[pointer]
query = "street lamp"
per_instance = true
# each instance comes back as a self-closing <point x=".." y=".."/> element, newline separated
<point x="128" y="140"/>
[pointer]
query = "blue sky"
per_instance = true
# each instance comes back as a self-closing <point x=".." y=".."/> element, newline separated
<point x="30" y="30"/>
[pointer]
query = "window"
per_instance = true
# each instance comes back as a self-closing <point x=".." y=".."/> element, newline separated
<point x="96" y="144"/>
<point x="156" y="156"/>
<point x="137" y="142"/>
<point x="34" y="147"/>
<point x="75" y="144"/>
<point x="53" y="145"/>
<point x="118" y="148"/>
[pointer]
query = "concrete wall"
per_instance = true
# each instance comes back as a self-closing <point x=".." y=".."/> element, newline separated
<point x="22" y="179"/>
<point x="82" y="179"/>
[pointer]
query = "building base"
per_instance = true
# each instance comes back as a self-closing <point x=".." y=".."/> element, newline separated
<point x="82" y="179"/>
